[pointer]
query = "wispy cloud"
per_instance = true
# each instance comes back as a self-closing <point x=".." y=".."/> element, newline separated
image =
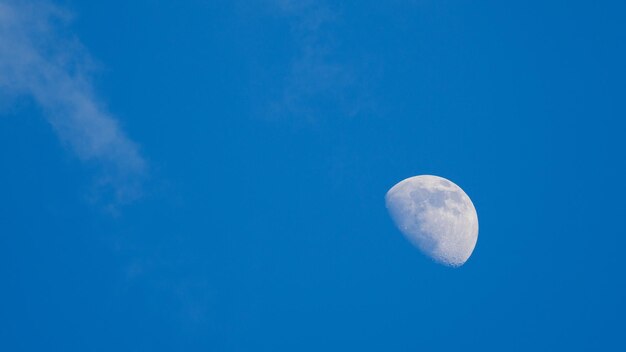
<point x="40" y="59"/>
<point x="318" y="78"/>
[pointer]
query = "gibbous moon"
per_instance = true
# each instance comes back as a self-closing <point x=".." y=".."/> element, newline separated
<point x="436" y="216"/>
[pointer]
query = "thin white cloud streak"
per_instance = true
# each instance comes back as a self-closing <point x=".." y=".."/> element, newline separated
<point x="317" y="77"/>
<point x="39" y="59"/>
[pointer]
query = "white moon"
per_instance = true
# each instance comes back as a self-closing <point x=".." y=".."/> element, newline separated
<point x="436" y="216"/>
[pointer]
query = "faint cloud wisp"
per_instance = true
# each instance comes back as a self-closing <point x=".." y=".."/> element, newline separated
<point x="318" y="78"/>
<point x="40" y="60"/>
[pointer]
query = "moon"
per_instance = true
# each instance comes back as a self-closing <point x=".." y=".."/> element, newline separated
<point x="436" y="216"/>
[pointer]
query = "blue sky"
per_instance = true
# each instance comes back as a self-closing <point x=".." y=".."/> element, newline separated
<point x="210" y="175"/>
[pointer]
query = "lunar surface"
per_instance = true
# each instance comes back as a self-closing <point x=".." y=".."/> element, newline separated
<point x="436" y="216"/>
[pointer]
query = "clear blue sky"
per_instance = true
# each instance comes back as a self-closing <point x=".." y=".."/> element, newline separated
<point x="210" y="175"/>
